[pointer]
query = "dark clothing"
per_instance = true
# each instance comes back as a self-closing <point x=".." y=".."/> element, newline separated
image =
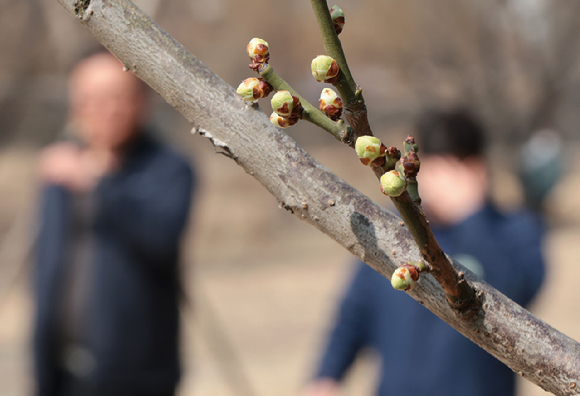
<point x="420" y="354"/>
<point x="130" y="318"/>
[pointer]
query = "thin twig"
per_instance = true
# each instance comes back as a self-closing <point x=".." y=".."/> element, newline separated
<point x="346" y="85"/>
<point x="355" y="110"/>
<point x="459" y="293"/>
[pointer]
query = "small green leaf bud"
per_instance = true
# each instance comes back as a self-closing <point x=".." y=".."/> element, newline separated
<point x="282" y="122"/>
<point x="410" y="144"/>
<point x="405" y="277"/>
<point x="253" y="89"/>
<point x="369" y="148"/>
<point x="331" y="104"/>
<point x="392" y="184"/>
<point x="258" y="50"/>
<point x="286" y="104"/>
<point x="337" y="16"/>
<point x="325" y="69"/>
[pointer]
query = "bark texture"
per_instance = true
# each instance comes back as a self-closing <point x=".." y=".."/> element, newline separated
<point x="529" y="346"/>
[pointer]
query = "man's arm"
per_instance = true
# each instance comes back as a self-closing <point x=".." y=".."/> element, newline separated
<point x="348" y="336"/>
<point x="523" y="235"/>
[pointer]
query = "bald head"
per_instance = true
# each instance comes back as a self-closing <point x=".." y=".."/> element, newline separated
<point x="106" y="104"/>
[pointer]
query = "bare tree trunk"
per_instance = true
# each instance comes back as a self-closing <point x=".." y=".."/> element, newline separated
<point x="307" y="189"/>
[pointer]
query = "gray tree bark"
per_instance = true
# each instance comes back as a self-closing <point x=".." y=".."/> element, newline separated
<point x="311" y="192"/>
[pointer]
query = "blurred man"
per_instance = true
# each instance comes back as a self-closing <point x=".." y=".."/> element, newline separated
<point x="420" y="354"/>
<point x="113" y="209"/>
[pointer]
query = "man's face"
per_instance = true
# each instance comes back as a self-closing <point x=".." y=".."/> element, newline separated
<point x="107" y="104"/>
<point x="451" y="189"/>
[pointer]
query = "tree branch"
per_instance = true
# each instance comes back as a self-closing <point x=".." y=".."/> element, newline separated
<point x="526" y="344"/>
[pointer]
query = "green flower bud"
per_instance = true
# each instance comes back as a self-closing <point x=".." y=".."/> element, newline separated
<point x="331" y="104"/>
<point x="337" y="16"/>
<point x="392" y="184"/>
<point x="282" y="122"/>
<point x="369" y="148"/>
<point x="253" y="89"/>
<point x="286" y="104"/>
<point x="325" y="69"/>
<point x="405" y="277"/>
<point x="410" y="144"/>
<point x="258" y="50"/>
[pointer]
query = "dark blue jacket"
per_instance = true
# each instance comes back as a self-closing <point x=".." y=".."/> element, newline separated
<point x="420" y="354"/>
<point x="132" y="309"/>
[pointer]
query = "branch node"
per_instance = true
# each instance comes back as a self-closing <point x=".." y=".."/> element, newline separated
<point x="80" y="8"/>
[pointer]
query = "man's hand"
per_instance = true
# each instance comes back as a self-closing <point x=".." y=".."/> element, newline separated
<point x="322" y="387"/>
<point x="77" y="169"/>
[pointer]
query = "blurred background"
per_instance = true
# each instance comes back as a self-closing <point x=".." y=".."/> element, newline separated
<point x="263" y="285"/>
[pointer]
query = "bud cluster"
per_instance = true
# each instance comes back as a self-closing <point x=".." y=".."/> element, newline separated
<point x="331" y="104"/>
<point x="405" y="277"/>
<point x="287" y="109"/>
<point x="337" y="16"/>
<point x="252" y="89"/>
<point x="259" y="52"/>
<point x="325" y="69"/>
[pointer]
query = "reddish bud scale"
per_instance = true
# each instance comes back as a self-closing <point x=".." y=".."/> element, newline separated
<point x="412" y="271"/>
<point x="333" y="112"/>
<point x="411" y="164"/>
<point x="394" y="153"/>
<point x="296" y="108"/>
<point x="262" y="90"/>
<point x="337" y="16"/>
<point x="378" y="162"/>
<point x="338" y="25"/>
<point x="334" y="68"/>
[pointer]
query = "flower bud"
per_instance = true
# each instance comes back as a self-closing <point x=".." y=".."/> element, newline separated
<point x="331" y="104"/>
<point x="286" y="104"/>
<point x="337" y="16"/>
<point x="325" y="69"/>
<point x="258" y="50"/>
<point x="411" y="164"/>
<point x="405" y="277"/>
<point x="392" y="184"/>
<point x="282" y="122"/>
<point x="410" y="144"/>
<point x="253" y="89"/>
<point x="369" y="148"/>
<point x="392" y="156"/>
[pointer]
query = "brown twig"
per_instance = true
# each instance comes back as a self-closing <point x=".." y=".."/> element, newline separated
<point x="460" y="294"/>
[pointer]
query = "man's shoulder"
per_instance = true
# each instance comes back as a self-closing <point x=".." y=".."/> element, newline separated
<point x="162" y="155"/>
<point x="518" y="222"/>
